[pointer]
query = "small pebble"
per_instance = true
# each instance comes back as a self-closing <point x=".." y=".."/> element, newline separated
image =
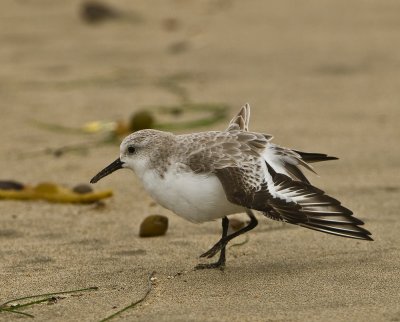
<point x="11" y="185"/>
<point x="141" y="120"/>
<point x="154" y="225"/>
<point x="82" y="188"/>
<point x="95" y="12"/>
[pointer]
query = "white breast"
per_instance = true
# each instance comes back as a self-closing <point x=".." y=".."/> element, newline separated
<point x="195" y="197"/>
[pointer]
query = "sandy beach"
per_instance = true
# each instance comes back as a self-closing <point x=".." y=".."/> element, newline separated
<point x="321" y="76"/>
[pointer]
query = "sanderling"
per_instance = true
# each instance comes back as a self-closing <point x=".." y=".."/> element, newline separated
<point x="209" y="175"/>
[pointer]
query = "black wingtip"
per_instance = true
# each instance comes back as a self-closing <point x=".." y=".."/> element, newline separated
<point x="328" y="158"/>
<point x="367" y="235"/>
<point x="354" y="233"/>
<point x="315" y="210"/>
<point x="315" y="157"/>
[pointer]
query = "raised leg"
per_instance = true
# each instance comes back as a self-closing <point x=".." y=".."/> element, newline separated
<point x="221" y="245"/>
<point x="221" y="261"/>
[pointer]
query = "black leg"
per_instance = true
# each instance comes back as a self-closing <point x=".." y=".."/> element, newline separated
<point x="221" y="261"/>
<point x="224" y="240"/>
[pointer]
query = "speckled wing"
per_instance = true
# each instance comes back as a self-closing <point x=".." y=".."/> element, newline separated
<point x="259" y="175"/>
<point x="208" y="151"/>
<point x="279" y="197"/>
<point x="248" y="180"/>
<point x="246" y="190"/>
<point x="235" y="158"/>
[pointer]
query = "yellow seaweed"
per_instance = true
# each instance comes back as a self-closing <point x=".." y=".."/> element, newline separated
<point x="54" y="193"/>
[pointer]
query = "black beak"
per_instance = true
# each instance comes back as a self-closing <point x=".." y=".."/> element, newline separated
<point x="116" y="165"/>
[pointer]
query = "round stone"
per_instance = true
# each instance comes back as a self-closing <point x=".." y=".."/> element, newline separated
<point x="141" y="120"/>
<point x="82" y="188"/>
<point x="154" y="225"/>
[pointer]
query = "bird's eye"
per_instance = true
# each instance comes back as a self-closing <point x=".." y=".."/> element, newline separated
<point x="131" y="149"/>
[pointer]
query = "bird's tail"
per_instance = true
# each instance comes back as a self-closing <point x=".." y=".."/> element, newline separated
<point x="314" y="157"/>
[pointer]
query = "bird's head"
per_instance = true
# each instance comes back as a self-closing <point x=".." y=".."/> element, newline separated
<point x="136" y="151"/>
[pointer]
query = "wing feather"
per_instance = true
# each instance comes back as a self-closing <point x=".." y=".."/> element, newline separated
<point x="281" y="198"/>
<point x="316" y="210"/>
<point x="241" y="120"/>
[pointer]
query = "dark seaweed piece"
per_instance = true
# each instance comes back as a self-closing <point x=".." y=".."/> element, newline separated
<point x="11" y="185"/>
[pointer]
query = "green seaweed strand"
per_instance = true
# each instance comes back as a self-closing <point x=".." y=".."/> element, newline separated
<point x="149" y="287"/>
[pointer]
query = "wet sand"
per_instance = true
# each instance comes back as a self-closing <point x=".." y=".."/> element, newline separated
<point x="321" y="77"/>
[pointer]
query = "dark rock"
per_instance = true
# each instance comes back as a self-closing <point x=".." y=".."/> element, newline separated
<point x="154" y="225"/>
<point x="95" y="12"/>
<point x="82" y="188"/>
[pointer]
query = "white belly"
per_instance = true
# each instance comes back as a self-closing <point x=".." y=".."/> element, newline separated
<point x="195" y="197"/>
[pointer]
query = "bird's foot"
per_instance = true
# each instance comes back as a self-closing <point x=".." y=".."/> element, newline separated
<point x="220" y="265"/>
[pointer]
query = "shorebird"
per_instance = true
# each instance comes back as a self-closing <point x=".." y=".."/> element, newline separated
<point x="210" y="175"/>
